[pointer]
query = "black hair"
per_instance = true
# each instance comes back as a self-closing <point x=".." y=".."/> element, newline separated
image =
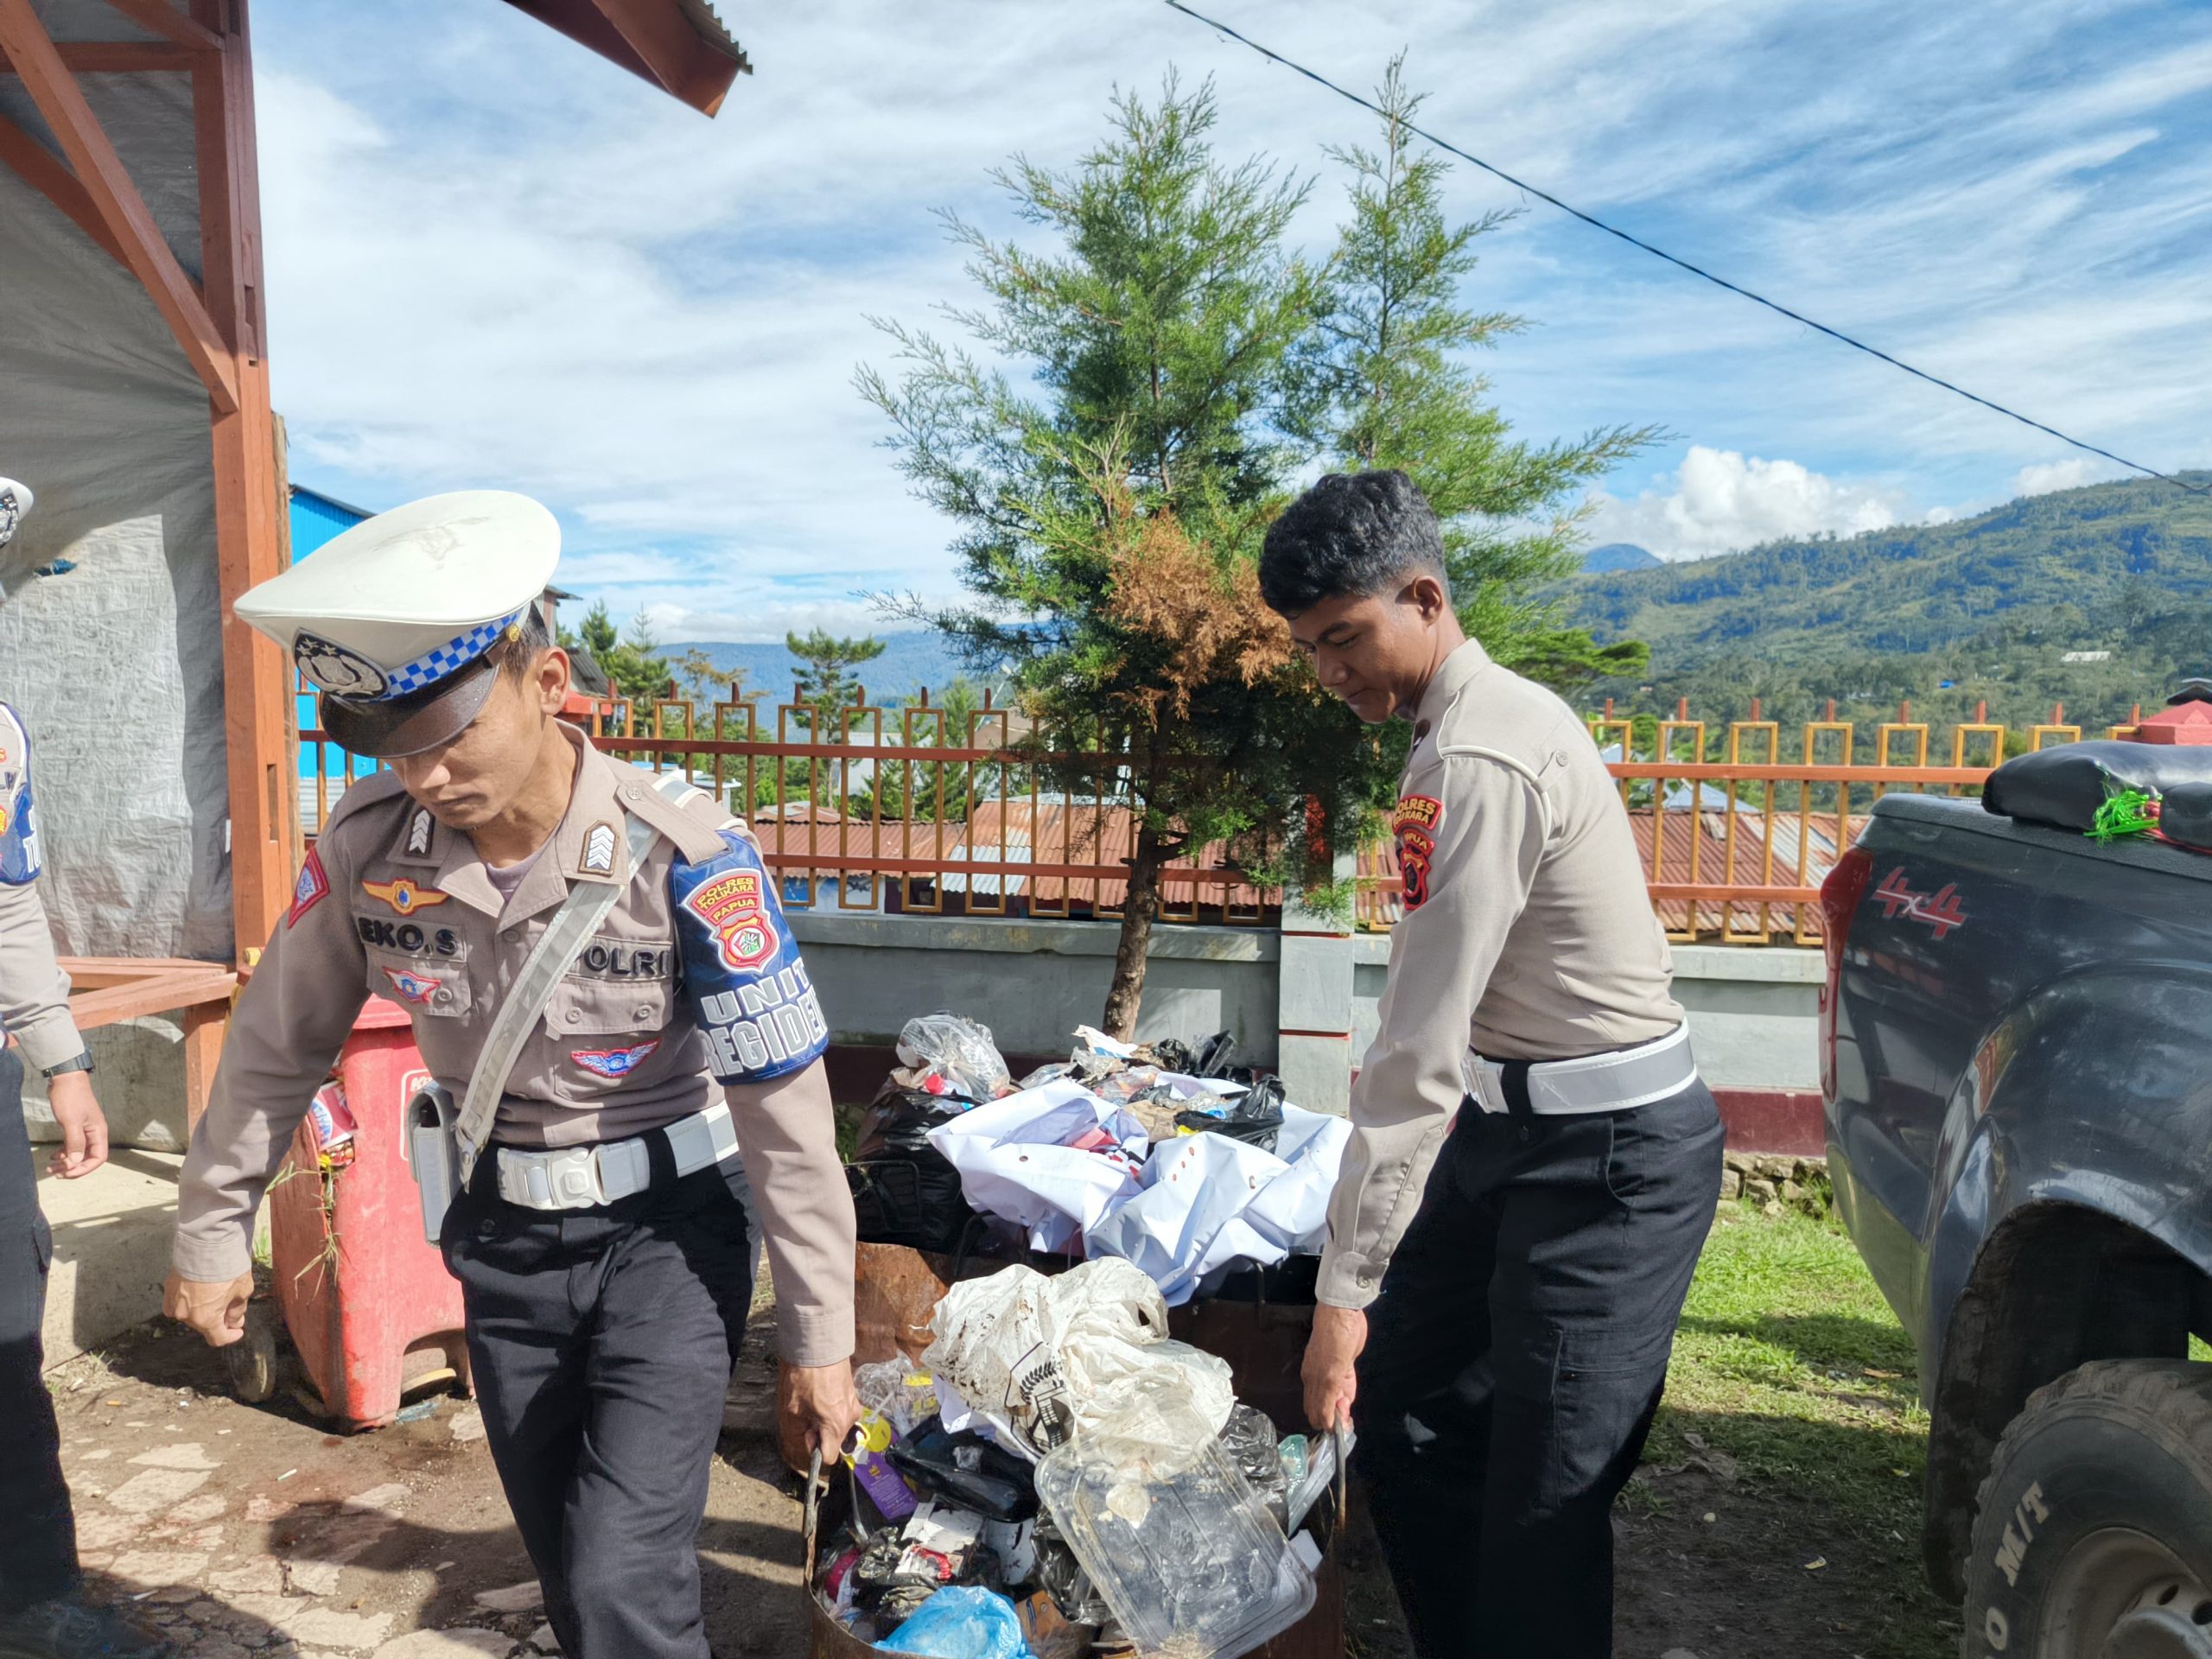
<point x="517" y="652"/>
<point x="1351" y="534"/>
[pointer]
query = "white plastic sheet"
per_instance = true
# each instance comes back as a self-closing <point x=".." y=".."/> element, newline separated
<point x="1201" y="1203"/>
<point x="1210" y="1202"/>
<point x="1015" y="1160"/>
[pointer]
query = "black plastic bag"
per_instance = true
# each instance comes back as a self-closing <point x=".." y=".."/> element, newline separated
<point x="967" y="1471"/>
<point x="899" y="1121"/>
<point x="1254" y="1116"/>
<point x="1061" y="1576"/>
<point x="2185" y="815"/>
<point x="1208" y="1057"/>
<point x="1173" y="1054"/>
<point x="905" y="1190"/>
<point x="2064" y="787"/>
<point x="1212" y="1057"/>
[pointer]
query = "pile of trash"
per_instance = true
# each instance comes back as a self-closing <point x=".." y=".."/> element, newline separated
<point x="1170" y="1157"/>
<point x="1056" y="1460"/>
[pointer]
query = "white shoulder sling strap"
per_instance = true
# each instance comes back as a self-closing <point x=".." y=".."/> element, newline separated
<point x="563" y="941"/>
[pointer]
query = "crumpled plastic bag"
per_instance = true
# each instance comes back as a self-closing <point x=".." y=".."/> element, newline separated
<point x="944" y="1054"/>
<point x="1043" y="1359"/>
<point x="964" y="1622"/>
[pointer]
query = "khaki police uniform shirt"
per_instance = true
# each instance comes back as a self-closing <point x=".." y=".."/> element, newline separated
<point x="1527" y="935"/>
<point x="393" y="904"/>
<point x="34" y="991"/>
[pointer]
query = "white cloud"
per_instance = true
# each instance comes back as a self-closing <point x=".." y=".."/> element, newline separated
<point x="495" y="258"/>
<point x="772" y="619"/>
<point x="1723" y="502"/>
<point x="2068" y="475"/>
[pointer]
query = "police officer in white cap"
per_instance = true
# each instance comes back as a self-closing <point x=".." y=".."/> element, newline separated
<point x="599" y="978"/>
<point x="43" y="1613"/>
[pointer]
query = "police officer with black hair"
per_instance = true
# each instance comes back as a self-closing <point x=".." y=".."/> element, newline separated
<point x="43" y="1613"/>
<point x="1533" y="1161"/>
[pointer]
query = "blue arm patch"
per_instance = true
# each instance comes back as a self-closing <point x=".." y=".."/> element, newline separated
<point x="741" y="968"/>
<point x="19" y="859"/>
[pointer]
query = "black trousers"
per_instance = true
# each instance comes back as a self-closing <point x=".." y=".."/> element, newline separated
<point x="1515" y="1361"/>
<point x="38" y="1534"/>
<point x="603" y="1342"/>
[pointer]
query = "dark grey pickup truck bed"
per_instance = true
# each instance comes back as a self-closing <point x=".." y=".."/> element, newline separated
<point x="2017" y="1056"/>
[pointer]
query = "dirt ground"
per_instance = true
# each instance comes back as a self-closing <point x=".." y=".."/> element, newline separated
<point x="250" y="1530"/>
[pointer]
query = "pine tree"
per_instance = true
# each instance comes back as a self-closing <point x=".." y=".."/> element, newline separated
<point x="629" y="661"/>
<point x="1384" y="382"/>
<point x="1179" y="366"/>
<point x="1110" y="523"/>
<point x="824" y="685"/>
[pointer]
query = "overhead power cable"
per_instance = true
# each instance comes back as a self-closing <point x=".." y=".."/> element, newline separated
<point x="1634" y="241"/>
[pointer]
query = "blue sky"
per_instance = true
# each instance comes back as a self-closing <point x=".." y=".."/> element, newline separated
<point x="495" y="260"/>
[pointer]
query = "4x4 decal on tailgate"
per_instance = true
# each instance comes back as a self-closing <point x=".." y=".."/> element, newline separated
<point x="1940" y="910"/>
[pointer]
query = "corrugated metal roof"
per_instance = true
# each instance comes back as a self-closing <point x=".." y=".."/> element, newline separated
<point x="714" y="33"/>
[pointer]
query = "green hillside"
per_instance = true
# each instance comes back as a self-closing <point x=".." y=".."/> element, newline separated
<point x="1992" y="603"/>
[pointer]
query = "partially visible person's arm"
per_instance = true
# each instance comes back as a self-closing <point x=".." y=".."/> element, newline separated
<point x="292" y="1018"/>
<point x="1473" y="831"/>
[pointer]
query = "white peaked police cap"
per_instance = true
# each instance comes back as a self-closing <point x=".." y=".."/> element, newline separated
<point x="392" y="619"/>
<point x="15" y="502"/>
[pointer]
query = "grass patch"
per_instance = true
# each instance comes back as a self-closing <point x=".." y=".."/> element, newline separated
<point x="1790" y="1363"/>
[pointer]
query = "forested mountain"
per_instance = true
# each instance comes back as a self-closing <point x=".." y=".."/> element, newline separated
<point x="1619" y="556"/>
<point x="1993" y="604"/>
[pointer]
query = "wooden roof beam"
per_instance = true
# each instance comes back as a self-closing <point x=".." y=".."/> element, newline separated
<point x="121" y="209"/>
<point x="160" y="17"/>
<point x="37" y="167"/>
<point x="649" y="38"/>
<point x="115" y="57"/>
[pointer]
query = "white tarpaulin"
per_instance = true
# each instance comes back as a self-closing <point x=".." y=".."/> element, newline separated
<point x="1200" y="1203"/>
<point x="116" y="666"/>
<point x="1017" y="1159"/>
<point x="1210" y="1202"/>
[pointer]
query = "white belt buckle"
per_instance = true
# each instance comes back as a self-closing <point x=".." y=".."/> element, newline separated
<point x="1481" y="1077"/>
<point x="563" y="1179"/>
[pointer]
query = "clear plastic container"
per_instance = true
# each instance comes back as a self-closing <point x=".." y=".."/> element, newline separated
<point x="1176" y="1541"/>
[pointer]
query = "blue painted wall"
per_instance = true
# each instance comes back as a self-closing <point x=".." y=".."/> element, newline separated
<point x="316" y="519"/>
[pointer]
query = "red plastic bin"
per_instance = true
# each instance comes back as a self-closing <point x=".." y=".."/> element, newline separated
<point x="370" y="1305"/>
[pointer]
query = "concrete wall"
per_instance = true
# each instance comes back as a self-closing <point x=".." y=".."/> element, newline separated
<point x="1034" y="983"/>
<point x="1753" y="1013"/>
<point x="138" y="1074"/>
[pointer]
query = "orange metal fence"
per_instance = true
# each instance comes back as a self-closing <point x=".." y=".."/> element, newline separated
<point x="933" y="810"/>
<point x="922" y="809"/>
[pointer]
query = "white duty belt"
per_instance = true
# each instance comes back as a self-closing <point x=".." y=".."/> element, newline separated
<point x="1597" y="1083"/>
<point x="579" y="1178"/>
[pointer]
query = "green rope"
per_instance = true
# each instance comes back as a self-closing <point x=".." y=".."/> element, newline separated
<point x="2124" y="812"/>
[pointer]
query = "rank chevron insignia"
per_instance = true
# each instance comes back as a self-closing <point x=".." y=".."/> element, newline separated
<point x="418" y="830"/>
<point x="612" y="1062"/>
<point x="599" y="850"/>
<point x="403" y="895"/>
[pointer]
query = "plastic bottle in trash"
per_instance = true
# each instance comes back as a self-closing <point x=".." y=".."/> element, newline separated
<point x="1173" y="1537"/>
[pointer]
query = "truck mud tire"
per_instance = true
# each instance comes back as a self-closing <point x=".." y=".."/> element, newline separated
<point x="2092" y="1535"/>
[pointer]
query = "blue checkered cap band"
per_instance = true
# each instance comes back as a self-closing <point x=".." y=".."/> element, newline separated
<point x="456" y="654"/>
